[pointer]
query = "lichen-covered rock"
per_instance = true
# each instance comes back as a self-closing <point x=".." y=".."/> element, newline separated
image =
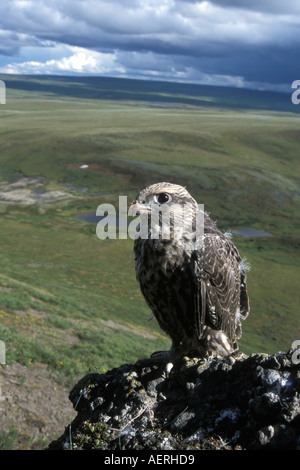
<point x="238" y="402"/>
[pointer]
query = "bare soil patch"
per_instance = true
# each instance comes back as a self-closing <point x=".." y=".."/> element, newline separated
<point x="28" y="191"/>
<point x="33" y="403"/>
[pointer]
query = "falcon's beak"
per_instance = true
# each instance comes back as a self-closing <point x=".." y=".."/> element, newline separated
<point x="135" y="208"/>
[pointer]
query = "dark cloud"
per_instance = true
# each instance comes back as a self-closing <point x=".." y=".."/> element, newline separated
<point x="266" y="6"/>
<point x="246" y="42"/>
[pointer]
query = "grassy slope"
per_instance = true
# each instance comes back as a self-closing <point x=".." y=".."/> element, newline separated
<point x="71" y="300"/>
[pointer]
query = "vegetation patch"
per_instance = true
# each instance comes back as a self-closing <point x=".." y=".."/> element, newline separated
<point x="72" y="301"/>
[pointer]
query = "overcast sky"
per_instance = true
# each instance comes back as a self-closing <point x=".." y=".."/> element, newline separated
<point x="243" y="43"/>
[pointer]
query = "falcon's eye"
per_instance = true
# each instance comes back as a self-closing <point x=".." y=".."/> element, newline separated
<point x="162" y="198"/>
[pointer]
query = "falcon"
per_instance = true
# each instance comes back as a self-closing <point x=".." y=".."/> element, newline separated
<point x="194" y="282"/>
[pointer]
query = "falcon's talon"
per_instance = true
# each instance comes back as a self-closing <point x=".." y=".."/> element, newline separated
<point x="169" y="367"/>
<point x="160" y="354"/>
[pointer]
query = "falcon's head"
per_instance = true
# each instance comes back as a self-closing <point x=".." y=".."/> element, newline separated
<point x="162" y="194"/>
<point x="170" y="199"/>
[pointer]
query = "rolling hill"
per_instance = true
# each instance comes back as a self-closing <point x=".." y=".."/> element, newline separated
<point x="68" y="144"/>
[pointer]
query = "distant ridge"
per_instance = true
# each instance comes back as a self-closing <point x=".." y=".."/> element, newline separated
<point x="152" y="92"/>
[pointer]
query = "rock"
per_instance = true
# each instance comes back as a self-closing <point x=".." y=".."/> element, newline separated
<point x="238" y="402"/>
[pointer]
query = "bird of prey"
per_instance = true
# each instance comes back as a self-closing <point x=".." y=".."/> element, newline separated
<point x="194" y="285"/>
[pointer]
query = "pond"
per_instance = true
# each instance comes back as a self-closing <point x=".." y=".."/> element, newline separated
<point x="251" y="232"/>
<point x="92" y="218"/>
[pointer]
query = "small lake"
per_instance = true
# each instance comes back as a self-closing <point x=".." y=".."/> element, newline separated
<point x="92" y="218"/>
<point x="251" y="232"/>
<point x="161" y="104"/>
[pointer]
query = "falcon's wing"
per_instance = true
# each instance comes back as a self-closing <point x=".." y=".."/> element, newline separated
<point x="221" y="297"/>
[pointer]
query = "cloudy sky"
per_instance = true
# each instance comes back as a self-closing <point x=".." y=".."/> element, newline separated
<point x="243" y="43"/>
